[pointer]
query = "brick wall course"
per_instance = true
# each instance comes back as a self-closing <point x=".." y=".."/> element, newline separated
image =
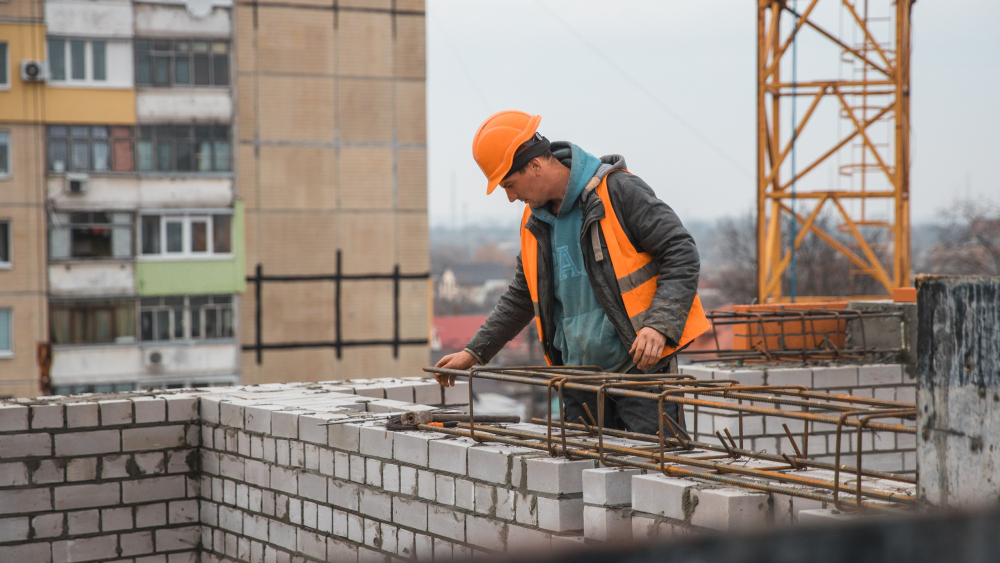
<point x="239" y="491"/>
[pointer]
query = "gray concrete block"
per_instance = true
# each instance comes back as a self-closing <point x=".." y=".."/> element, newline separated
<point x="48" y="525"/>
<point x="606" y="524"/>
<point x="285" y="424"/>
<point x="86" y="496"/>
<point x="486" y="533"/>
<point x="557" y="475"/>
<point x="25" y="445"/>
<point x="730" y="509"/>
<point x="376" y="441"/>
<point x="375" y="504"/>
<point x="450" y="454"/>
<point x="81" y="469"/>
<point x="608" y="486"/>
<point x="84" y="549"/>
<point x="560" y="515"/>
<point x="835" y="377"/>
<point x="150" y="409"/>
<point x="13" y="474"/>
<point x="409" y="513"/>
<point x="154" y="489"/>
<point x="343" y="494"/>
<point x="88" y="443"/>
<point x="881" y="374"/>
<point x="14" y="529"/>
<point x="81" y="415"/>
<point x="284" y="480"/>
<point x="47" y="416"/>
<point x="181" y="408"/>
<point x="661" y="495"/>
<point x="153" y="438"/>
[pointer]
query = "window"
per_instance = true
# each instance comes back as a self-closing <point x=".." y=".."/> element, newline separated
<point x="4" y="154"/>
<point x="90" y="234"/>
<point x="182" y="62"/>
<point x="4" y="67"/>
<point x="87" y="148"/>
<point x="186" y="318"/>
<point x="92" y="322"/>
<point x="183" y="148"/>
<point x="186" y="235"/>
<point x="78" y="60"/>
<point x="6" y="332"/>
<point x="4" y="244"/>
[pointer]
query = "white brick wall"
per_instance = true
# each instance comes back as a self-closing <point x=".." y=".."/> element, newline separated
<point x="276" y="484"/>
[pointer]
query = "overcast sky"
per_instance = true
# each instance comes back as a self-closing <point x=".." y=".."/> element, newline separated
<point x="670" y="85"/>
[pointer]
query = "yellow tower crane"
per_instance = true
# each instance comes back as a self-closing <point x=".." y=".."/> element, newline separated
<point x="871" y="94"/>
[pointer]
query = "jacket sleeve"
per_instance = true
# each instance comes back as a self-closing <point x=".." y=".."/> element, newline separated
<point x="511" y="314"/>
<point x="656" y="229"/>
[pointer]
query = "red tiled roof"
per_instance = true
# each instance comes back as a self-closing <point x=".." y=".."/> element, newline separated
<point x="455" y="331"/>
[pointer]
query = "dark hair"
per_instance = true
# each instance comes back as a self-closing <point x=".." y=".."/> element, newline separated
<point x="536" y="147"/>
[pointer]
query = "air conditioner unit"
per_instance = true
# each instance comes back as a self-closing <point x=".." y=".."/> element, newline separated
<point x="76" y="184"/>
<point x="154" y="358"/>
<point x="34" y="71"/>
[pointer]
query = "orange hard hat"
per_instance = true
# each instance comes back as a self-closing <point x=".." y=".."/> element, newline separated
<point x="496" y="141"/>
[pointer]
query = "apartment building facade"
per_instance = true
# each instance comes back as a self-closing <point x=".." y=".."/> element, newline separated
<point x="165" y="150"/>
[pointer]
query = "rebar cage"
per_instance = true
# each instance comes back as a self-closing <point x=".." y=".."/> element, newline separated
<point x="673" y="452"/>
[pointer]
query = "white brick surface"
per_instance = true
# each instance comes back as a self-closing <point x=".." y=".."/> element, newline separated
<point x="486" y="533"/>
<point x="149" y="409"/>
<point x="446" y="522"/>
<point x="449" y="454"/>
<point x="47" y="416"/>
<point x="376" y="441"/>
<point x="608" y="486"/>
<point x="409" y="513"/>
<point x="885" y="374"/>
<point x="785" y="376"/>
<point x="80" y="415"/>
<point x="730" y="509"/>
<point x="606" y="524"/>
<point x="835" y="377"/>
<point x="560" y="515"/>
<point x="661" y="495"/>
<point x="557" y="475"/>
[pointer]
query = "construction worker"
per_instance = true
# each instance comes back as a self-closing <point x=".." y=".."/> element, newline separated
<point x="606" y="268"/>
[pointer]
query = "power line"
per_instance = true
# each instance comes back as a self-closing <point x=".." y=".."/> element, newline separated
<point x="461" y="62"/>
<point x="645" y="91"/>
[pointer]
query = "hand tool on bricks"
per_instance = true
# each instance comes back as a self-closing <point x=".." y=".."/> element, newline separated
<point x="411" y="420"/>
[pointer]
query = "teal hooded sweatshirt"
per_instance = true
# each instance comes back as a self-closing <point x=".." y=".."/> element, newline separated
<point x="584" y="334"/>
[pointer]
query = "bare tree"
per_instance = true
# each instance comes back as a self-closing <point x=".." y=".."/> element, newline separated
<point x="820" y="270"/>
<point x="968" y="243"/>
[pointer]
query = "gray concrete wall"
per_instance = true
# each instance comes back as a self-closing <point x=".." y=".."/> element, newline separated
<point x="958" y="390"/>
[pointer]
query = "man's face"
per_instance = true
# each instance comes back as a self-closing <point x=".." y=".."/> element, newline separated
<point x="527" y="186"/>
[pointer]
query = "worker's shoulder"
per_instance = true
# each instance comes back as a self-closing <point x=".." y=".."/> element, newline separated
<point x="624" y="184"/>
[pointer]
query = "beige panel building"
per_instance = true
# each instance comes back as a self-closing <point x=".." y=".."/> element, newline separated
<point x="23" y="302"/>
<point x="332" y="157"/>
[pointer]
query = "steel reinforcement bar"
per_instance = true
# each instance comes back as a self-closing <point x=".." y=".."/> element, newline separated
<point x="673" y="452"/>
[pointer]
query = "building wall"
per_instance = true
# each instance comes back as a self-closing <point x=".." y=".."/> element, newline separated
<point x="22" y="200"/>
<point x="332" y="156"/>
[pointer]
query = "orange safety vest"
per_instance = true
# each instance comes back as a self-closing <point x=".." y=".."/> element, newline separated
<point x="637" y="273"/>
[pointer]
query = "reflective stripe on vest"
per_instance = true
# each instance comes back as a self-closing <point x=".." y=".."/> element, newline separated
<point x="529" y="262"/>
<point x="637" y="273"/>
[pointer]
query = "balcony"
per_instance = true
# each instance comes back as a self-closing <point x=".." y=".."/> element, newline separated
<point x="146" y="362"/>
<point x="98" y="278"/>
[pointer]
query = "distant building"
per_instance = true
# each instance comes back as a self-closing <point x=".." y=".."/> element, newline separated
<point x="153" y="153"/>
<point x="473" y="282"/>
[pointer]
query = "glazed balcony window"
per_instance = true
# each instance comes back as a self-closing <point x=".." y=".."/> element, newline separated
<point x="89" y="148"/>
<point x="78" y="60"/>
<point x="181" y="62"/>
<point x="92" y="322"/>
<point x="90" y="235"/>
<point x="201" y="317"/>
<point x="183" y="148"/>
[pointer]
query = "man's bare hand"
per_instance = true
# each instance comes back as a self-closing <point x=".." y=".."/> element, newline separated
<point x="647" y="348"/>
<point x="458" y="360"/>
